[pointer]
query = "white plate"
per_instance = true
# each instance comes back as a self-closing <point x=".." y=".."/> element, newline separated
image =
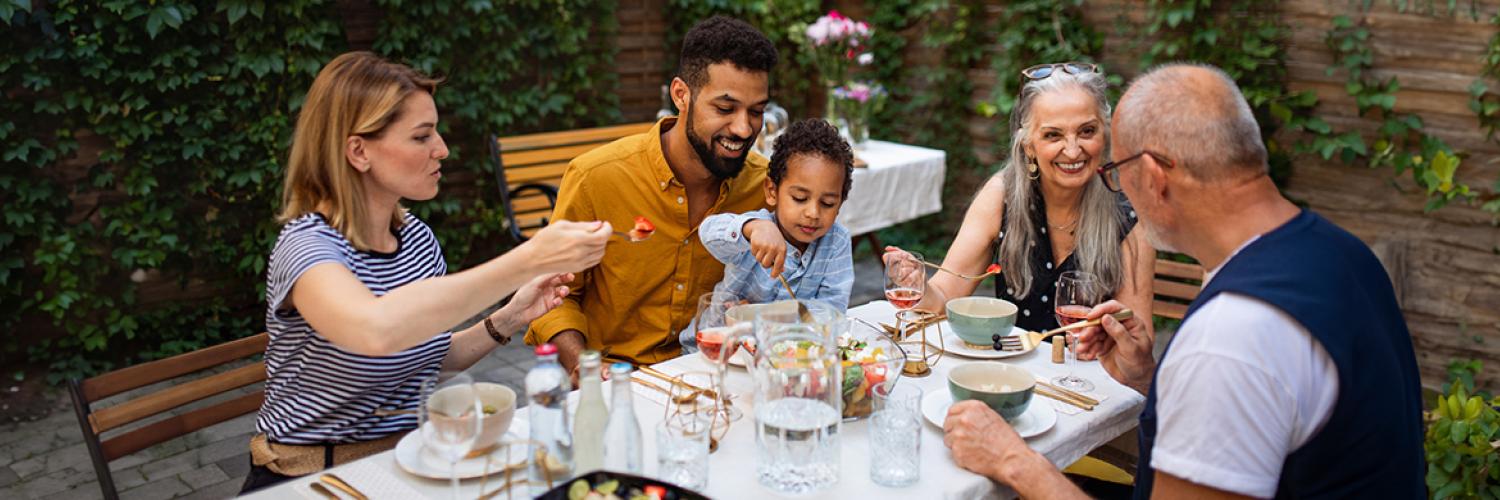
<point x="1039" y="416"/>
<point x="411" y="456"/>
<point x="957" y="347"/>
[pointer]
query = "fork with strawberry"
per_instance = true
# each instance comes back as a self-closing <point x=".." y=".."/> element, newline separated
<point x="988" y="271"/>
<point x="643" y="229"/>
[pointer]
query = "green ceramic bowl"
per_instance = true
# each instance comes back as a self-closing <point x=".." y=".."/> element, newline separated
<point x="977" y="319"/>
<point x="1004" y="388"/>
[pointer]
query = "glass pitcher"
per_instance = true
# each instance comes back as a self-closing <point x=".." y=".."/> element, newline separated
<point x="797" y="407"/>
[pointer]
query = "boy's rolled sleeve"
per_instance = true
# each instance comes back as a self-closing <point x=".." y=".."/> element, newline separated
<point x="723" y="234"/>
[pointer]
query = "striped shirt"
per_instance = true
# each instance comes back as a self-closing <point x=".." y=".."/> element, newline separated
<point x="317" y="392"/>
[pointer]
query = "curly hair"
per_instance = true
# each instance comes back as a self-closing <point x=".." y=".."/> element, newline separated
<point x="723" y="39"/>
<point x="813" y="136"/>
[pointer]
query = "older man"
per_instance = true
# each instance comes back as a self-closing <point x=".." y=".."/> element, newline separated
<point x="1293" y="373"/>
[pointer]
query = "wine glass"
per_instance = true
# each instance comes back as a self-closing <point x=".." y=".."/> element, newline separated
<point x="905" y="279"/>
<point x="449" y="420"/>
<point x="717" y="339"/>
<point x="1077" y="292"/>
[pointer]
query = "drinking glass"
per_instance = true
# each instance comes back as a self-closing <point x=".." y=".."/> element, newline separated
<point x="1077" y="292"/>
<point x="905" y="279"/>
<point x="718" y="341"/>
<point x="896" y="436"/>
<point x="682" y="450"/>
<point x="450" y="419"/>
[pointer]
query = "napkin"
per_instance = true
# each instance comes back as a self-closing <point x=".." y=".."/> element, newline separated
<point x="1067" y="409"/>
<point x="367" y="476"/>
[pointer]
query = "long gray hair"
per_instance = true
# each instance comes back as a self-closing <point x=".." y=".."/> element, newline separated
<point x="1098" y="234"/>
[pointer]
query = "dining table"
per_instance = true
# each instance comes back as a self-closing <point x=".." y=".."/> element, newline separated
<point x="732" y="467"/>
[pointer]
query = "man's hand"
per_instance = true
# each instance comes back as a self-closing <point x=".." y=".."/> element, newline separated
<point x="982" y="442"/>
<point x="569" y="345"/>
<point x="766" y="244"/>
<point x="1123" y="349"/>
<point x="534" y="299"/>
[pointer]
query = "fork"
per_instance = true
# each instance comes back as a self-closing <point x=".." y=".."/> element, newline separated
<point x="633" y="239"/>
<point x="1029" y="340"/>
<point x="960" y="275"/>
<point x="342" y="485"/>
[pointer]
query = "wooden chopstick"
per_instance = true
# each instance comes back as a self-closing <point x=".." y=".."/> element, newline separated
<point x="1042" y="390"/>
<point x="678" y="382"/>
<point x="1073" y="394"/>
<point x="653" y="385"/>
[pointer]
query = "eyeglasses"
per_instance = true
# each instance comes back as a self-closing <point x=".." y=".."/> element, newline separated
<point x="1110" y="172"/>
<point x="1042" y="71"/>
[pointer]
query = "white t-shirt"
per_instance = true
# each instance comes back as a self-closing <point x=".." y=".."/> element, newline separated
<point x="1243" y="386"/>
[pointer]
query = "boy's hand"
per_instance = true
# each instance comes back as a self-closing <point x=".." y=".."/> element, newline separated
<point x="766" y="244"/>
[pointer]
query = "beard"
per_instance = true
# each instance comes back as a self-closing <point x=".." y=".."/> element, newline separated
<point x="720" y="167"/>
<point x="1155" y="238"/>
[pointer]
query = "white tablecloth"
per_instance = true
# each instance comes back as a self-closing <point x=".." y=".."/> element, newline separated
<point x="901" y="183"/>
<point x="732" y="467"/>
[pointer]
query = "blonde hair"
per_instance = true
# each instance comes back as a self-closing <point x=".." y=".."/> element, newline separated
<point x="356" y="94"/>
<point x="1100" y="222"/>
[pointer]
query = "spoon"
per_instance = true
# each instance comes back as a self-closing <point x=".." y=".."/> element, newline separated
<point x="802" y="313"/>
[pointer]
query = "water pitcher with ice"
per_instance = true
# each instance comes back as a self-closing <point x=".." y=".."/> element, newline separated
<point x="797" y="406"/>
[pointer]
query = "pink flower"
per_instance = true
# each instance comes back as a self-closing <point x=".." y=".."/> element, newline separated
<point x="835" y="14"/>
<point x="818" y="32"/>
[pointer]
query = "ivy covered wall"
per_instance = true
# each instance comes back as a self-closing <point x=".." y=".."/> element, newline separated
<point x="142" y="144"/>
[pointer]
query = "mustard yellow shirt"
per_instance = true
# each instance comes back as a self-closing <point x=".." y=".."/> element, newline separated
<point x="638" y="298"/>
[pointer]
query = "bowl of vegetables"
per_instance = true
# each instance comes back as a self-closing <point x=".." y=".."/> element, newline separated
<point x="868" y="361"/>
<point x="606" y="485"/>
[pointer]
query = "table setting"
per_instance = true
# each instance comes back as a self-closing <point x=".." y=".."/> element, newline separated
<point x="831" y="395"/>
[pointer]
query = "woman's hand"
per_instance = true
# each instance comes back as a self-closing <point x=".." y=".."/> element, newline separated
<point x="911" y="270"/>
<point x="1123" y="348"/>
<point x="567" y="247"/>
<point x="766" y="244"/>
<point x="535" y="298"/>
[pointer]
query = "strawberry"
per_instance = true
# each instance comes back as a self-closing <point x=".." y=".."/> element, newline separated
<point x="644" y="225"/>
<point x="993" y="269"/>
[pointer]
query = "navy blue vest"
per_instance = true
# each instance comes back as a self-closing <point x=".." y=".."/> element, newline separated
<point x="1328" y="281"/>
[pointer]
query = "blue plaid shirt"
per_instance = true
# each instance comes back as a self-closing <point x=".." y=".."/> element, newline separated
<point x="824" y="272"/>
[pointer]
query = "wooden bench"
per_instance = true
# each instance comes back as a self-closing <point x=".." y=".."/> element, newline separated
<point x="534" y="164"/>
<point x="1175" y="286"/>
<point x="95" y="423"/>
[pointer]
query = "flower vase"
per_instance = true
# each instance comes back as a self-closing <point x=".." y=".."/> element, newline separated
<point x="831" y="106"/>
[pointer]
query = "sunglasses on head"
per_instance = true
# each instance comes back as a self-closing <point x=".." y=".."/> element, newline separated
<point x="1042" y="71"/>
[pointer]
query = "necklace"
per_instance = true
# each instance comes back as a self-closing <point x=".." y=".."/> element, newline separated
<point x="1070" y="227"/>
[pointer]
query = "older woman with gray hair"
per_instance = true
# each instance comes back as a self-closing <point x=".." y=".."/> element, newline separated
<point x="1046" y="211"/>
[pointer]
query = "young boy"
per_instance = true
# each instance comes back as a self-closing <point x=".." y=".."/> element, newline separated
<point x="809" y="176"/>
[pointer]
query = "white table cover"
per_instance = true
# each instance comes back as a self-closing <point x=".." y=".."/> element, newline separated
<point x="732" y="467"/>
<point x="901" y="183"/>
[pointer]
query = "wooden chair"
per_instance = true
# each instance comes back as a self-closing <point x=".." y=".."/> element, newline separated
<point x="1176" y="285"/>
<point x="535" y="164"/>
<point x="95" y="423"/>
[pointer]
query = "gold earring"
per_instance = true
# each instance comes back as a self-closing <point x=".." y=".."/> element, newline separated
<point x="1033" y="169"/>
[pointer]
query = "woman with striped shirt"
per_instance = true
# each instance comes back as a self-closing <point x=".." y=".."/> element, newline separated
<point x="358" y="300"/>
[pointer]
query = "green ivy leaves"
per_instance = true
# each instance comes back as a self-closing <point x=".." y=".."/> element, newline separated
<point x="189" y="106"/>
<point x="1463" y="434"/>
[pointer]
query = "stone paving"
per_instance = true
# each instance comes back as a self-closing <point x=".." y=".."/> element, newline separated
<point x="46" y="458"/>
